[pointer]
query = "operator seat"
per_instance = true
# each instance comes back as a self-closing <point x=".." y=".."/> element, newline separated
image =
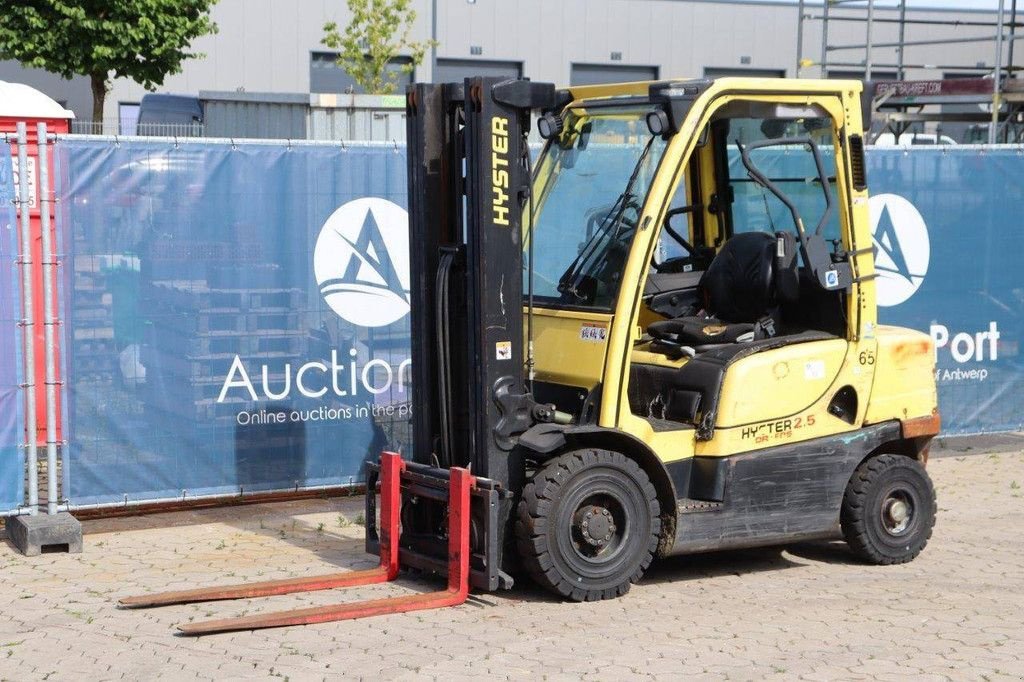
<point x="741" y="291"/>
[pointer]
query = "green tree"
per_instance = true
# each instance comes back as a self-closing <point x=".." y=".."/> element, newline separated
<point x="144" y="40"/>
<point x="378" y="32"/>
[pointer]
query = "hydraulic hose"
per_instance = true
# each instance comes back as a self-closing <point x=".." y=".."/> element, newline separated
<point x="443" y="334"/>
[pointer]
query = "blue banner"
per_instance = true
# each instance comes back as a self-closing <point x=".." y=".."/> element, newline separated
<point x="12" y="424"/>
<point x="947" y="235"/>
<point x="238" y="315"/>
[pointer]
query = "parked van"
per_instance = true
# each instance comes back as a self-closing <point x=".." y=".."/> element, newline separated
<point x="912" y="140"/>
<point x="161" y="114"/>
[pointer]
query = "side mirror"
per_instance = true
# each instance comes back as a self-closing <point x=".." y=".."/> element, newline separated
<point x="773" y="128"/>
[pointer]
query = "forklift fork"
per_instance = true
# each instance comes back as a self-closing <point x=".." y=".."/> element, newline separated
<point x="459" y="486"/>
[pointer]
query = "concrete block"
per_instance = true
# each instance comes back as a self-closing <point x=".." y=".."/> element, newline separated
<point x="31" y="534"/>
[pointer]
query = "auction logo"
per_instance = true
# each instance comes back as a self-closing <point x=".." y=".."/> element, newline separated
<point x="361" y="262"/>
<point x="902" y="249"/>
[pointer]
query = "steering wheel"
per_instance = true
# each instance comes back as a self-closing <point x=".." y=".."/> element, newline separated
<point x="693" y="257"/>
<point x="597" y="217"/>
<point x="602" y="250"/>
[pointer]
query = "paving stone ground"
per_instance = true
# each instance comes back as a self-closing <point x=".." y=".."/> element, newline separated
<point x="807" y="611"/>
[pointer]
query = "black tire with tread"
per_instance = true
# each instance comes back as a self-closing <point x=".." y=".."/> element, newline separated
<point x="545" y="497"/>
<point x="862" y="509"/>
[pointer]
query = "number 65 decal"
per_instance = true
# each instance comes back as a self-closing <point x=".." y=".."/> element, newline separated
<point x="866" y="357"/>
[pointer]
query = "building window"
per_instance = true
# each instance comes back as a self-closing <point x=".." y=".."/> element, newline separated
<point x="127" y="118"/>
<point x="725" y="72"/>
<point x="326" y="76"/>
<point x="849" y="74"/>
<point x="457" y="70"/>
<point x="599" y="74"/>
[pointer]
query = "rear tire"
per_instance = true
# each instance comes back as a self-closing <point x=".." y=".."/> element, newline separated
<point x="588" y="524"/>
<point x="888" y="510"/>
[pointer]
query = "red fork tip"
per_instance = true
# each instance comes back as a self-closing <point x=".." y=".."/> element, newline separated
<point x="131" y="602"/>
<point x="189" y="631"/>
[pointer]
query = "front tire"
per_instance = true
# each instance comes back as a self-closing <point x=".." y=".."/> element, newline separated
<point x="888" y="510"/>
<point x="588" y="524"/>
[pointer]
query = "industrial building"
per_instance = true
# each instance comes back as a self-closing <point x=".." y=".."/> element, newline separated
<point x="273" y="46"/>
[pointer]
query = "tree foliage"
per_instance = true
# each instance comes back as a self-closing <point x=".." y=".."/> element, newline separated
<point x="378" y="32"/>
<point x="144" y="40"/>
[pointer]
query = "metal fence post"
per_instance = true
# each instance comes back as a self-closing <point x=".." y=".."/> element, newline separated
<point x="799" y="37"/>
<point x="824" y="38"/>
<point x="50" y="320"/>
<point x="867" y="51"/>
<point x="903" y="32"/>
<point x="28" y="320"/>
<point x="993" y="131"/>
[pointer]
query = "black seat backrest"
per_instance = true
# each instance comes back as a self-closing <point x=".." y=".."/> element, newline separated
<point x="752" y="274"/>
<point x="739" y="284"/>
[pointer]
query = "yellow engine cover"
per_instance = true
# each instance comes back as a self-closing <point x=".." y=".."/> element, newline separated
<point x="779" y="382"/>
<point x="904" y="376"/>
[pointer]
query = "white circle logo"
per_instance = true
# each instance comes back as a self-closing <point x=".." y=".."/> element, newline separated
<point x="902" y="249"/>
<point x="361" y="262"/>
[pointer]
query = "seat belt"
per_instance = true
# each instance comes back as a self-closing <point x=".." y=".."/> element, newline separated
<point x="764" y="328"/>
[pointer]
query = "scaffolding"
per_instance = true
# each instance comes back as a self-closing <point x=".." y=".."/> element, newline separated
<point x="898" y="104"/>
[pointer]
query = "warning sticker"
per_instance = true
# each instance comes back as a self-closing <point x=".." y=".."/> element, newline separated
<point x="814" y="369"/>
<point x="30" y="176"/>
<point x="503" y="350"/>
<point x="593" y="333"/>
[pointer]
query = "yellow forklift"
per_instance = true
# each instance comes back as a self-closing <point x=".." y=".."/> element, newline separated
<point x="660" y="338"/>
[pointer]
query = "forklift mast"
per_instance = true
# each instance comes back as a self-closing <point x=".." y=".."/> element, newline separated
<point x="469" y="181"/>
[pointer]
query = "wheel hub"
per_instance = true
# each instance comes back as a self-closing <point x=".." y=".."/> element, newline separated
<point x="595" y="525"/>
<point x="897" y="511"/>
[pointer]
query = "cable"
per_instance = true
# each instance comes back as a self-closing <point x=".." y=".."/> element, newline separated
<point x="530" y="360"/>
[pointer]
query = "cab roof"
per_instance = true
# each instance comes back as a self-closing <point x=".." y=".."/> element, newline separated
<point x="758" y="85"/>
